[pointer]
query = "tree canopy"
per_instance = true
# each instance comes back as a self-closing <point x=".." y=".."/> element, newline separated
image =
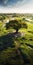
<point x="16" y="24"/>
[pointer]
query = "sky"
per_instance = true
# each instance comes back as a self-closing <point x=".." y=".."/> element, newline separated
<point x="16" y="6"/>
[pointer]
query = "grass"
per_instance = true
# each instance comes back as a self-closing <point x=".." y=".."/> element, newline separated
<point x="10" y="46"/>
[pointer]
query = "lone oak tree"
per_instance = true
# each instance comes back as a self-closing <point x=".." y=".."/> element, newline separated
<point x="16" y="24"/>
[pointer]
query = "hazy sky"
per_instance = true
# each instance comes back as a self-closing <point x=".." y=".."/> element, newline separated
<point x="16" y="6"/>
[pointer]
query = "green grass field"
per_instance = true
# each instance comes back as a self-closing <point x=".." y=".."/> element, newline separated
<point x="16" y="50"/>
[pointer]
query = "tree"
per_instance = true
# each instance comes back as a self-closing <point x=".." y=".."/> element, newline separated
<point x="16" y="24"/>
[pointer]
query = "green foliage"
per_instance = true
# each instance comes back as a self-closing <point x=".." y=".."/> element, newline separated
<point x="14" y="24"/>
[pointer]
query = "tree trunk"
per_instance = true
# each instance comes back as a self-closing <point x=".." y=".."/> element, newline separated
<point x="17" y="31"/>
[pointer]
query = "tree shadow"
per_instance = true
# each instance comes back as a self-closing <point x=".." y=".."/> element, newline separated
<point x="6" y="41"/>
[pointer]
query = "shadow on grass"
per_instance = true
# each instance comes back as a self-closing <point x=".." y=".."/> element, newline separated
<point x="29" y="45"/>
<point x="6" y="41"/>
<point x="19" y="56"/>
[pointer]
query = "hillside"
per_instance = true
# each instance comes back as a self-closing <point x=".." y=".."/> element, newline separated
<point x="16" y="48"/>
